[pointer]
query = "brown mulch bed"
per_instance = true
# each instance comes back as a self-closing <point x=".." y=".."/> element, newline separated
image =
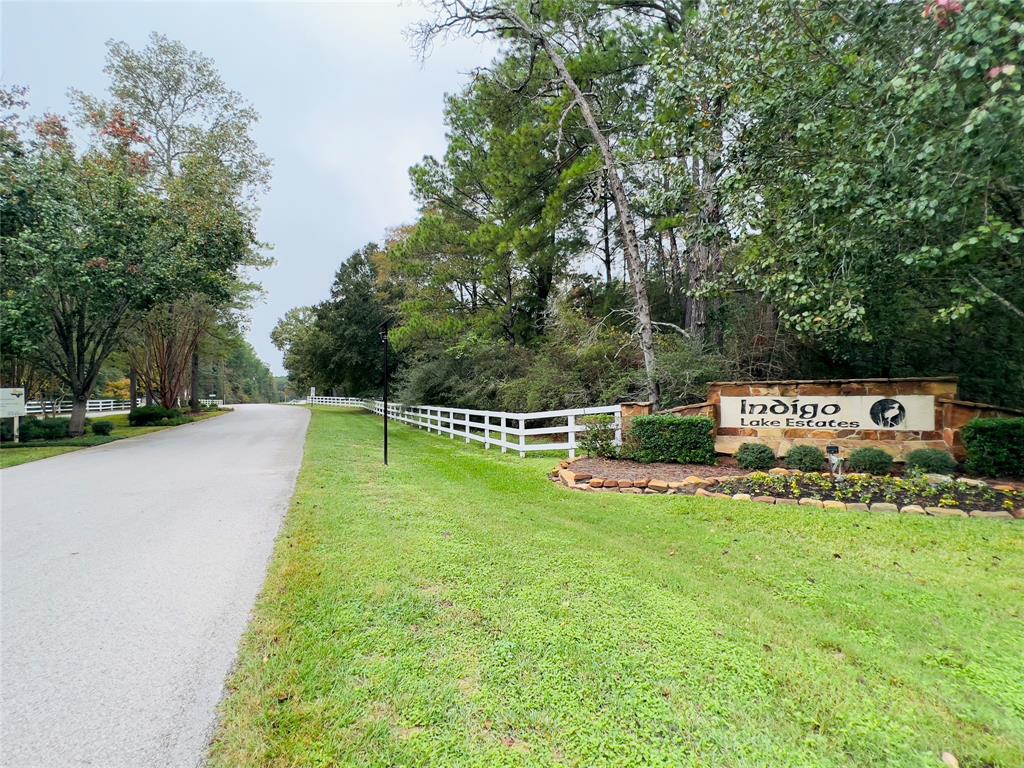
<point x="623" y="469"/>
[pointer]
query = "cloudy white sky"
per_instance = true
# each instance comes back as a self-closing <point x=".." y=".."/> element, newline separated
<point x="345" y="110"/>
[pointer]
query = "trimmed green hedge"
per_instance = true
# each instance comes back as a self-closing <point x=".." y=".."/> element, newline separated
<point x="806" y="458"/>
<point x="679" y="439"/>
<point x="755" y="456"/>
<point x="151" y="414"/>
<point x="43" y="429"/>
<point x="931" y="460"/>
<point x="874" y="461"/>
<point x="995" y="447"/>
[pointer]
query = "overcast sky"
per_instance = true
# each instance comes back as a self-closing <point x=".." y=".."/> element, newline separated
<point x="345" y="110"/>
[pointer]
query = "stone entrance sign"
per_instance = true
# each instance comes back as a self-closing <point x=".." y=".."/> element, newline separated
<point x="874" y="412"/>
<point x="896" y="415"/>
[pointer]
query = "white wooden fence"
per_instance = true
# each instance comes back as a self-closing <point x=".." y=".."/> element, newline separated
<point x="91" y="406"/>
<point x="95" y="406"/>
<point x="508" y="431"/>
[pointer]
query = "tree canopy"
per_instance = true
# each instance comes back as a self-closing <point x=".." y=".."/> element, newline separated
<point x="815" y="190"/>
<point x="141" y="239"/>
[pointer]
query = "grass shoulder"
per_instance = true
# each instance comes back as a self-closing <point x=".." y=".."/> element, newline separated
<point x="456" y="608"/>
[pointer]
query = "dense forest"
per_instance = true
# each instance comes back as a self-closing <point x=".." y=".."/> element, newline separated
<point x="641" y="197"/>
<point x="128" y="237"/>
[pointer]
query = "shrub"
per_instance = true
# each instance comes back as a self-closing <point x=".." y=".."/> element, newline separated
<point x="995" y="447"/>
<point x="931" y="460"/>
<point x="176" y="420"/>
<point x="102" y="427"/>
<point x="874" y="461"/>
<point x="44" y="429"/>
<point x="599" y="439"/>
<point x="806" y="458"/>
<point x="755" y="456"/>
<point x="681" y="439"/>
<point x="151" y="414"/>
<point x="6" y="430"/>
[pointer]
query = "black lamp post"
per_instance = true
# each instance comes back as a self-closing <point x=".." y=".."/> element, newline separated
<point x="384" y="338"/>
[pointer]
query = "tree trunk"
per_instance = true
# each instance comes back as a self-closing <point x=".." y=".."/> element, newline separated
<point x="133" y="387"/>
<point x="630" y="246"/>
<point x="193" y="399"/>
<point x="677" y="275"/>
<point x="79" y="405"/>
<point x="607" y="241"/>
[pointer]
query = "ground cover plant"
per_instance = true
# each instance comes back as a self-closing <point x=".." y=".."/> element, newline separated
<point x="458" y="609"/>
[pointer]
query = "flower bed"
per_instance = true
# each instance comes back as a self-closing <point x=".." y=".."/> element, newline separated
<point x="938" y="495"/>
<point x="921" y="490"/>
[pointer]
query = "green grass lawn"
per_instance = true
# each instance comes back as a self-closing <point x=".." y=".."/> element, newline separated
<point x="34" y="450"/>
<point x="458" y="609"/>
<point x="12" y="457"/>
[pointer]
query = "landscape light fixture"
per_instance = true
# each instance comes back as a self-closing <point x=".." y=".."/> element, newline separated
<point x="835" y="461"/>
<point x="384" y="339"/>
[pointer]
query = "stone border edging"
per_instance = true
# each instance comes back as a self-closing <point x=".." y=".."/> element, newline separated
<point x="699" y="486"/>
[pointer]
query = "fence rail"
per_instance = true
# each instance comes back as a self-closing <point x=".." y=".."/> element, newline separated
<point x="506" y="430"/>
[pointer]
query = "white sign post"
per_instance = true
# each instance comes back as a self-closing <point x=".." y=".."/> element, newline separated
<point x="12" y="406"/>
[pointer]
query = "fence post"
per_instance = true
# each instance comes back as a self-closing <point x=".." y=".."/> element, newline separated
<point x="467" y="427"/>
<point x="522" y="437"/>
<point x="487" y="432"/>
<point x="504" y="435"/>
<point x="572" y="436"/>
<point x="618" y="427"/>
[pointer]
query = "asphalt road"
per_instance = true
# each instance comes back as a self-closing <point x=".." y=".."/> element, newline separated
<point x="128" y="575"/>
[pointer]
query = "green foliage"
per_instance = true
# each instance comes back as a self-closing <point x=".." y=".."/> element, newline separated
<point x="683" y="440"/>
<point x="806" y="458"/>
<point x="44" y="428"/>
<point x="995" y="447"/>
<point x="874" y="461"/>
<point x="149" y="415"/>
<point x="755" y="456"/>
<point x="102" y="427"/>
<point x="931" y="460"/>
<point x="599" y="437"/>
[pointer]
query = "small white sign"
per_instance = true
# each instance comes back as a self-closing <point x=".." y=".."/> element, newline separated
<point x="12" y="402"/>
<point x="884" y="412"/>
